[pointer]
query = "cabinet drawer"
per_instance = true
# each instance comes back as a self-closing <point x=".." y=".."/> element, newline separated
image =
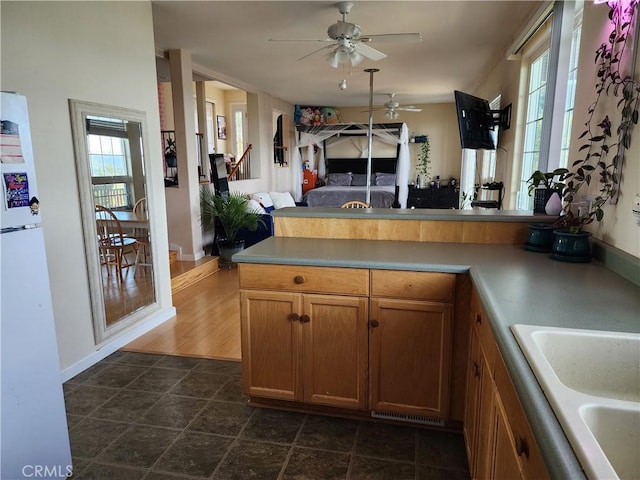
<point x="293" y="278"/>
<point x="437" y="287"/>
<point x="525" y="445"/>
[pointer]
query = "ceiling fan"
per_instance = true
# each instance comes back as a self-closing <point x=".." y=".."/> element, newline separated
<point x="392" y="108"/>
<point x="348" y="45"/>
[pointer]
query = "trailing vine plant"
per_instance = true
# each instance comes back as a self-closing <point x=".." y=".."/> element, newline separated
<point x="603" y="151"/>
<point x="424" y="162"/>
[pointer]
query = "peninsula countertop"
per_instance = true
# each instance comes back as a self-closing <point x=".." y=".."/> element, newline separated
<point x="514" y="285"/>
<point x="480" y="215"/>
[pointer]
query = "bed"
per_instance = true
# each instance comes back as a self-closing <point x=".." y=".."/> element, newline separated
<point x="339" y="149"/>
<point x="346" y="181"/>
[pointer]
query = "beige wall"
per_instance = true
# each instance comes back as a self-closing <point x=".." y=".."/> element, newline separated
<point x="93" y="51"/>
<point x="437" y="120"/>
<point x="617" y="228"/>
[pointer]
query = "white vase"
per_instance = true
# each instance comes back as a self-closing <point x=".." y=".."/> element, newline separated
<point x="554" y="205"/>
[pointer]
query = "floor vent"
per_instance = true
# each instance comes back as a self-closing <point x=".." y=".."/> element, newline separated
<point x="399" y="417"/>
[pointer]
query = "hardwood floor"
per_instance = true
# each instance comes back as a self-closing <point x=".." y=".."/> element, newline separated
<point x="207" y="323"/>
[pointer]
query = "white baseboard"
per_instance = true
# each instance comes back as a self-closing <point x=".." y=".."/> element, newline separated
<point x="118" y="342"/>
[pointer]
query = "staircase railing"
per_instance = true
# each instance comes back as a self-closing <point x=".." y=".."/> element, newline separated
<point x="241" y="169"/>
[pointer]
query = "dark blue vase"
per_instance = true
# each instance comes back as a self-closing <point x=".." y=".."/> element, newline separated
<point x="571" y="247"/>
<point x="540" y="237"/>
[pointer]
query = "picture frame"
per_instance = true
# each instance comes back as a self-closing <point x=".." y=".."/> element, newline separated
<point x="221" y="123"/>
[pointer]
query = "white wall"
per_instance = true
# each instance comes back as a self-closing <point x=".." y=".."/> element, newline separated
<point x="94" y="51"/>
<point x="618" y="227"/>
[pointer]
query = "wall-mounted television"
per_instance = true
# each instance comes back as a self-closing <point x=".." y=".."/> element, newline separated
<point x="478" y="123"/>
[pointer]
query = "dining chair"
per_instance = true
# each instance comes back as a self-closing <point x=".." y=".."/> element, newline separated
<point x="354" y="204"/>
<point x="142" y="236"/>
<point x="113" y="244"/>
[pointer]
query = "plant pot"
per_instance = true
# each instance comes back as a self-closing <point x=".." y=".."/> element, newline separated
<point x="571" y="247"/>
<point x="540" y="238"/>
<point x="228" y="249"/>
<point x="541" y="197"/>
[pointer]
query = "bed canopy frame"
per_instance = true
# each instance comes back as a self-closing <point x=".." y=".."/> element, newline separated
<point x="389" y="133"/>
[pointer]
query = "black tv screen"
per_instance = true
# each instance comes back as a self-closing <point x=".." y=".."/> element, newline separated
<point x="475" y="121"/>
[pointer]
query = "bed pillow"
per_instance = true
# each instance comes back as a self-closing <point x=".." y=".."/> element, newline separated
<point x="282" y="199"/>
<point x="385" y="179"/>
<point x="339" y="179"/>
<point x="264" y="199"/>
<point x="360" y="180"/>
<point x="254" y="206"/>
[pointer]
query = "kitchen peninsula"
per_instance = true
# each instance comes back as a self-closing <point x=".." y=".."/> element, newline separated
<point x="374" y="272"/>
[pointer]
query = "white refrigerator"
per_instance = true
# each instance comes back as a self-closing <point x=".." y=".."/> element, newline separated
<point x="34" y="440"/>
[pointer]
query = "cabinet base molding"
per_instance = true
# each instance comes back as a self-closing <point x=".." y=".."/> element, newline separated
<point x="380" y="417"/>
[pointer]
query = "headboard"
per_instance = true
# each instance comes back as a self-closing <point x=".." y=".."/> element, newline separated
<point x="359" y="165"/>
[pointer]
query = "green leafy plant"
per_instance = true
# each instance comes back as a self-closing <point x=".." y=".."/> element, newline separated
<point x="232" y="212"/>
<point x="424" y="162"/>
<point x="605" y="139"/>
<point x="547" y="180"/>
<point x="170" y="147"/>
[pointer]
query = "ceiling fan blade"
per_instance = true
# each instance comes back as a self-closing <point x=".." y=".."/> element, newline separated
<point x="409" y="108"/>
<point x="323" y="40"/>
<point x="367" y="51"/>
<point x="393" y="37"/>
<point x="316" y="51"/>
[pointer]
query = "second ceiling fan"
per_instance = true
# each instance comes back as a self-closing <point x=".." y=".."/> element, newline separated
<point x="348" y="45"/>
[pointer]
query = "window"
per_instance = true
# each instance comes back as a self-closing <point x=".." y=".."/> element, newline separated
<point x="571" y="90"/>
<point x="110" y="162"/>
<point x="545" y="90"/>
<point x="533" y="123"/>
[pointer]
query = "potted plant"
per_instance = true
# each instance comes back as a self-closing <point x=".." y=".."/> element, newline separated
<point x="543" y="185"/>
<point x="170" y="154"/>
<point x="606" y="137"/>
<point x="424" y="162"/>
<point x="232" y="213"/>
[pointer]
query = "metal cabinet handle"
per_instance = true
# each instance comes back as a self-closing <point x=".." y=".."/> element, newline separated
<point x="478" y="319"/>
<point x="476" y="370"/>
<point x="294" y="317"/>
<point x="374" y="323"/>
<point x="299" y="279"/>
<point x="305" y="318"/>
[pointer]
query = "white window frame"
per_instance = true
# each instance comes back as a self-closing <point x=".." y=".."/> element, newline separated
<point x="567" y="16"/>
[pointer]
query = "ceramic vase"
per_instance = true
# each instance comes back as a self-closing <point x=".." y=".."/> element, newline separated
<point x="554" y="205"/>
<point x="540" y="237"/>
<point x="571" y="247"/>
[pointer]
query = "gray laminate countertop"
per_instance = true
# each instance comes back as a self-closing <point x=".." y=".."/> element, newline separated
<point x="514" y="285"/>
<point x="480" y="215"/>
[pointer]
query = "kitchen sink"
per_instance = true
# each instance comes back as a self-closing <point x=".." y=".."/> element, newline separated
<point x="592" y="381"/>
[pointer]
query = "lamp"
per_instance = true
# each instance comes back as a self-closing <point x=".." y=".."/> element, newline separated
<point x="391" y="114"/>
<point x="345" y="52"/>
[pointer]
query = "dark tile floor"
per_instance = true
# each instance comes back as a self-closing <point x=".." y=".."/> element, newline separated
<point x="155" y="417"/>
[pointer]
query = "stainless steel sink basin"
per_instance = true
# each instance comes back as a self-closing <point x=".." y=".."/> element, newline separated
<point x="592" y="381"/>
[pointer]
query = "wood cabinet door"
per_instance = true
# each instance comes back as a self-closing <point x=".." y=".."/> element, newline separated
<point x="334" y="332"/>
<point x="271" y="344"/>
<point x="472" y="400"/>
<point x="485" y="420"/>
<point x="505" y="463"/>
<point x="410" y="356"/>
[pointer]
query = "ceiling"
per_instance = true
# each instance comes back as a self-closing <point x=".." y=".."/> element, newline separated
<point x="229" y="42"/>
